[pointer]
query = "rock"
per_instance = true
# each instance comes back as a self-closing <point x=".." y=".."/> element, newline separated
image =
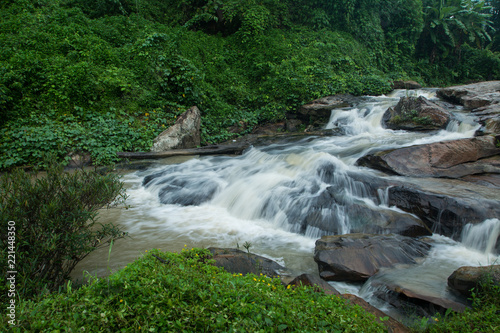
<point x="405" y="85"/>
<point x="393" y="326"/>
<point x="416" y="114"/>
<point x="482" y="98"/>
<point x="356" y="257"/>
<point x="185" y="133"/>
<point x="293" y="125"/>
<point x="466" y="278"/>
<point x="450" y="159"/>
<point x="236" y="261"/>
<point x="314" y="281"/>
<point x="445" y="206"/>
<point x="489" y="117"/>
<point x="472" y="95"/>
<point x="78" y="160"/>
<point x="419" y="302"/>
<point x="318" y="111"/>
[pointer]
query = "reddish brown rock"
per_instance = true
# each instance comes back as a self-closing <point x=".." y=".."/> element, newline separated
<point x="449" y="159"/>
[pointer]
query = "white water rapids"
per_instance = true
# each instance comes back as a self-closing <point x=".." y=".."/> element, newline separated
<point x="264" y="196"/>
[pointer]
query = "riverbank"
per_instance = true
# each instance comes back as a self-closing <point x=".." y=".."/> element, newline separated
<point x="183" y="292"/>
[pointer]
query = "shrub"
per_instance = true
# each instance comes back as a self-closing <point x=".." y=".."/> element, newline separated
<point x="169" y="292"/>
<point x="55" y="216"/>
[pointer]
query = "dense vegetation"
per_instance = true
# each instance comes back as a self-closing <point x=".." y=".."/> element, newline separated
<point x="184" y="293"/>
<point x="101" y="76"/>
<point x="53" y="226"/>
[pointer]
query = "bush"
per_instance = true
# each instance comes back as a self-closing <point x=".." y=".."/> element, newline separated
<point x="169" y="292"/>
<point x="55" y="224"/>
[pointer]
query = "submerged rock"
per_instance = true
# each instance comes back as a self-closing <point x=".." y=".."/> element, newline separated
<point x="356" y="257"/>
<point x="467" y="278"/>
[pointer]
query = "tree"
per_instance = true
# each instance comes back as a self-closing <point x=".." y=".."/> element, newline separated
<point x="448" y="24"/>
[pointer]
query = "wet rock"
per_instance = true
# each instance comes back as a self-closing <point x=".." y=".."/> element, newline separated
<point x="482" y="98"/>
<point x="466" y="278"/>
<point x="416" y="114"/>
<point x="417" y="302"/>
<point x="446" y="207"/>
<point x="472" y="95"/>
<point x="489" y="180"/>
<point x="379" y="220"/>
<point x="356" y="257"/>
<point x="316" y="282"/>
<point x="406" y="85"/>
<point x="318" y="111"/>
<point x="236" y="261"/>
<point x="449" y="159"/>
<point x="185" y="133"/>
<point x="392" y="325"/>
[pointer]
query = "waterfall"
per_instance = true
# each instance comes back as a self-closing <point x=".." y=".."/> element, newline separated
<point x="483" y="236"/>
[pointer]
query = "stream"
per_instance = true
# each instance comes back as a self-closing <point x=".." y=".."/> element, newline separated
<point x="264" y="196"/>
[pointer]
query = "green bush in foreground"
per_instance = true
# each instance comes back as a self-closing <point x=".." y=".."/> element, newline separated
<point x="169" y="292"/>
<point x="54" y="225"/>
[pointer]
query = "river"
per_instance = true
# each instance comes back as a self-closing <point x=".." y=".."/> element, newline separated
<point x="263" y="196"/>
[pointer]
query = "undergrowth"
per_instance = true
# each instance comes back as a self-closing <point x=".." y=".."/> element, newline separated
<point x="183" y="292"/>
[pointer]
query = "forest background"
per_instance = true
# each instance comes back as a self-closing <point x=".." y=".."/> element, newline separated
<point x="103" y="76"/>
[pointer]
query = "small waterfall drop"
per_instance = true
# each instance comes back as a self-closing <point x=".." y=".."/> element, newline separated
<point x="483" y="236"/>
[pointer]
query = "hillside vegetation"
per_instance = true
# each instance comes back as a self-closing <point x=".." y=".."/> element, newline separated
<point x="101" y="76"/>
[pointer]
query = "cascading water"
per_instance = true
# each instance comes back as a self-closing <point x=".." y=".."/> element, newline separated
<point x="482" y="237"/>
<point x="280" y="198"/>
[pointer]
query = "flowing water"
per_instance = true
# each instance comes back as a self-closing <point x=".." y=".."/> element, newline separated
<point x="281" y="198"/>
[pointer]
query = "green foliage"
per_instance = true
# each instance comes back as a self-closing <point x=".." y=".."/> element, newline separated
<point x="55" y="224"/>
<point x="411" y="116"/>
<point x="184" y="292"/>
<point x="451" y="23"/>
<point x="24" y="142"/>
<point x="72" y="67"/>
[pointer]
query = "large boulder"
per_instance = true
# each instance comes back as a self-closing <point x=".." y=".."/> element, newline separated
<point x="449" y="159"/>
<point x="416" y="114"/>
<point x="482" y="98"/>
<point x="467" y="278"/>
<point x="185" y="133"/>
<point x="356" y="257"/>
